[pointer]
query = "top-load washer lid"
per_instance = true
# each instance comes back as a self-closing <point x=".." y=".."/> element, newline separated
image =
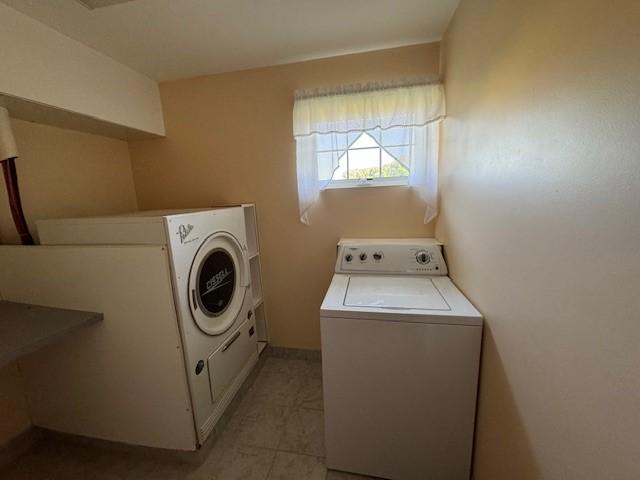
<point x="394" y="292"/>
<point x="398" y="298"/>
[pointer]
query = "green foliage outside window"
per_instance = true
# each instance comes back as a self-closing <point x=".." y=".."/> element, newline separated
<point x="395" y="169"/>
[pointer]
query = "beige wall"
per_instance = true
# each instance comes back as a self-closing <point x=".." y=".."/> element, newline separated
<point x="61" y="173"/>
<point x="64" y="173"/>
<point x="229" y="140"/>
<point x="541" y="219"/>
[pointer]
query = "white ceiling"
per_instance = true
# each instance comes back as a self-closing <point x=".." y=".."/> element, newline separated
<point x="169" y="39"/>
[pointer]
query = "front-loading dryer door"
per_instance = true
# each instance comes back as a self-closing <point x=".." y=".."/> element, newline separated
<point x="218" y="283"/>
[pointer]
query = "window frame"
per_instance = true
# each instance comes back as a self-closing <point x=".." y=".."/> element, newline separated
<point x="366" y="182"/>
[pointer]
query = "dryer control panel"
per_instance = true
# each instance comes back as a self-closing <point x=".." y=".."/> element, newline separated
<point x="419" y="256"/>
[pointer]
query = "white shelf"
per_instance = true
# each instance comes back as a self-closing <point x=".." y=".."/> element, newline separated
<point x="256" y="280"/>
<point x="251" y="228"/>
<point x="261" y="324"/>
<point x="257" y="302"/>
<point x="255" y="268"/>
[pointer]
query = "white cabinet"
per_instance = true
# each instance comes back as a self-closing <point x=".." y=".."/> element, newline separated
<point x="52" y="79"/>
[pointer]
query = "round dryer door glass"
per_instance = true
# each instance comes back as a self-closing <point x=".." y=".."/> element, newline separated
<point x="216" y="283"/>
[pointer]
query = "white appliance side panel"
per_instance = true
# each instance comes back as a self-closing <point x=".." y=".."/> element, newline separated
<point x="102" y="231"/>
<point x="122" y="379"/>
<point x="400" y="398"/>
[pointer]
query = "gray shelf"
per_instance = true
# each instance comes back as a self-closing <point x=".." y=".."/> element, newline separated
<point x="26" y="328"/>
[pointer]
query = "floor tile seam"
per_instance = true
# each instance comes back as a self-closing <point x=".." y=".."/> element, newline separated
<point x="289" y="417"/>
<point x="273" y="461"/>
<point x="319" y="457"/>
<point x="279" y="450"/>
<point x="243" y="416"/>
<point x="310" y="408"/>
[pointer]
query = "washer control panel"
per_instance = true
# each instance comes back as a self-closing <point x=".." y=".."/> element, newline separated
<point x="419" y="256"/>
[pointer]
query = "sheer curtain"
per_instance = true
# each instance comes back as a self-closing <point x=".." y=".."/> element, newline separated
<point x="418" y="107"/>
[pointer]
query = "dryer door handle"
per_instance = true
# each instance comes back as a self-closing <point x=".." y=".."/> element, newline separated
<point x="230" y="342"/>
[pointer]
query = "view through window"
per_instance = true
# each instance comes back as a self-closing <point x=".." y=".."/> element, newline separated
<point x="367" y="157"/>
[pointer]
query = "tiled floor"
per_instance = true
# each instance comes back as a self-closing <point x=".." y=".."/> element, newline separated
<point x="277" y="432"/>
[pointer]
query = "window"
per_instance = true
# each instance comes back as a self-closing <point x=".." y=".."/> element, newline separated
<point x="368" y="135"/>
<point x="368" y="158"/>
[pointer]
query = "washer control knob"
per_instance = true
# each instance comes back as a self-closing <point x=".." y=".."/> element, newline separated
<point x="363" y="257"/>
<point x="377" y="256"/>
<point x="422" y="257"/>
<point x="348" y="257"/>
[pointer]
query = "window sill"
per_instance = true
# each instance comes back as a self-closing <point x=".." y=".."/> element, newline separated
<point x="388" y="182"/>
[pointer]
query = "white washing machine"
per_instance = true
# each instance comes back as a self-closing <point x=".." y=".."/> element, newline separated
<point x="211" y="288"/>
<point x="400" y="354"/>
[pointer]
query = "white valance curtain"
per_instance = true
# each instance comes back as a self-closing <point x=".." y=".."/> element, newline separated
<point x="418" y="107"/>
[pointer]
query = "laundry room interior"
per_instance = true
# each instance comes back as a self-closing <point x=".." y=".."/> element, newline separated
<point x="319" y="240"/>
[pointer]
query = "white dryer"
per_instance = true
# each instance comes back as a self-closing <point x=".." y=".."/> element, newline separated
<point x="211" y="289"/>
<point x="400" y="358"/>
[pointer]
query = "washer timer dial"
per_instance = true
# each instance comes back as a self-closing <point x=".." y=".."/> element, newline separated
<point x="422" y="257"/>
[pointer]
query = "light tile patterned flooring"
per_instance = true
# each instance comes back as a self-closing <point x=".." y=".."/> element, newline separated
<point x="276" y="433"/>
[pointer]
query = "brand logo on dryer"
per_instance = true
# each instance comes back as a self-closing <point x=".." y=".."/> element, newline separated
<point x="184" y="231"/>
<point x="217" y="281"/>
